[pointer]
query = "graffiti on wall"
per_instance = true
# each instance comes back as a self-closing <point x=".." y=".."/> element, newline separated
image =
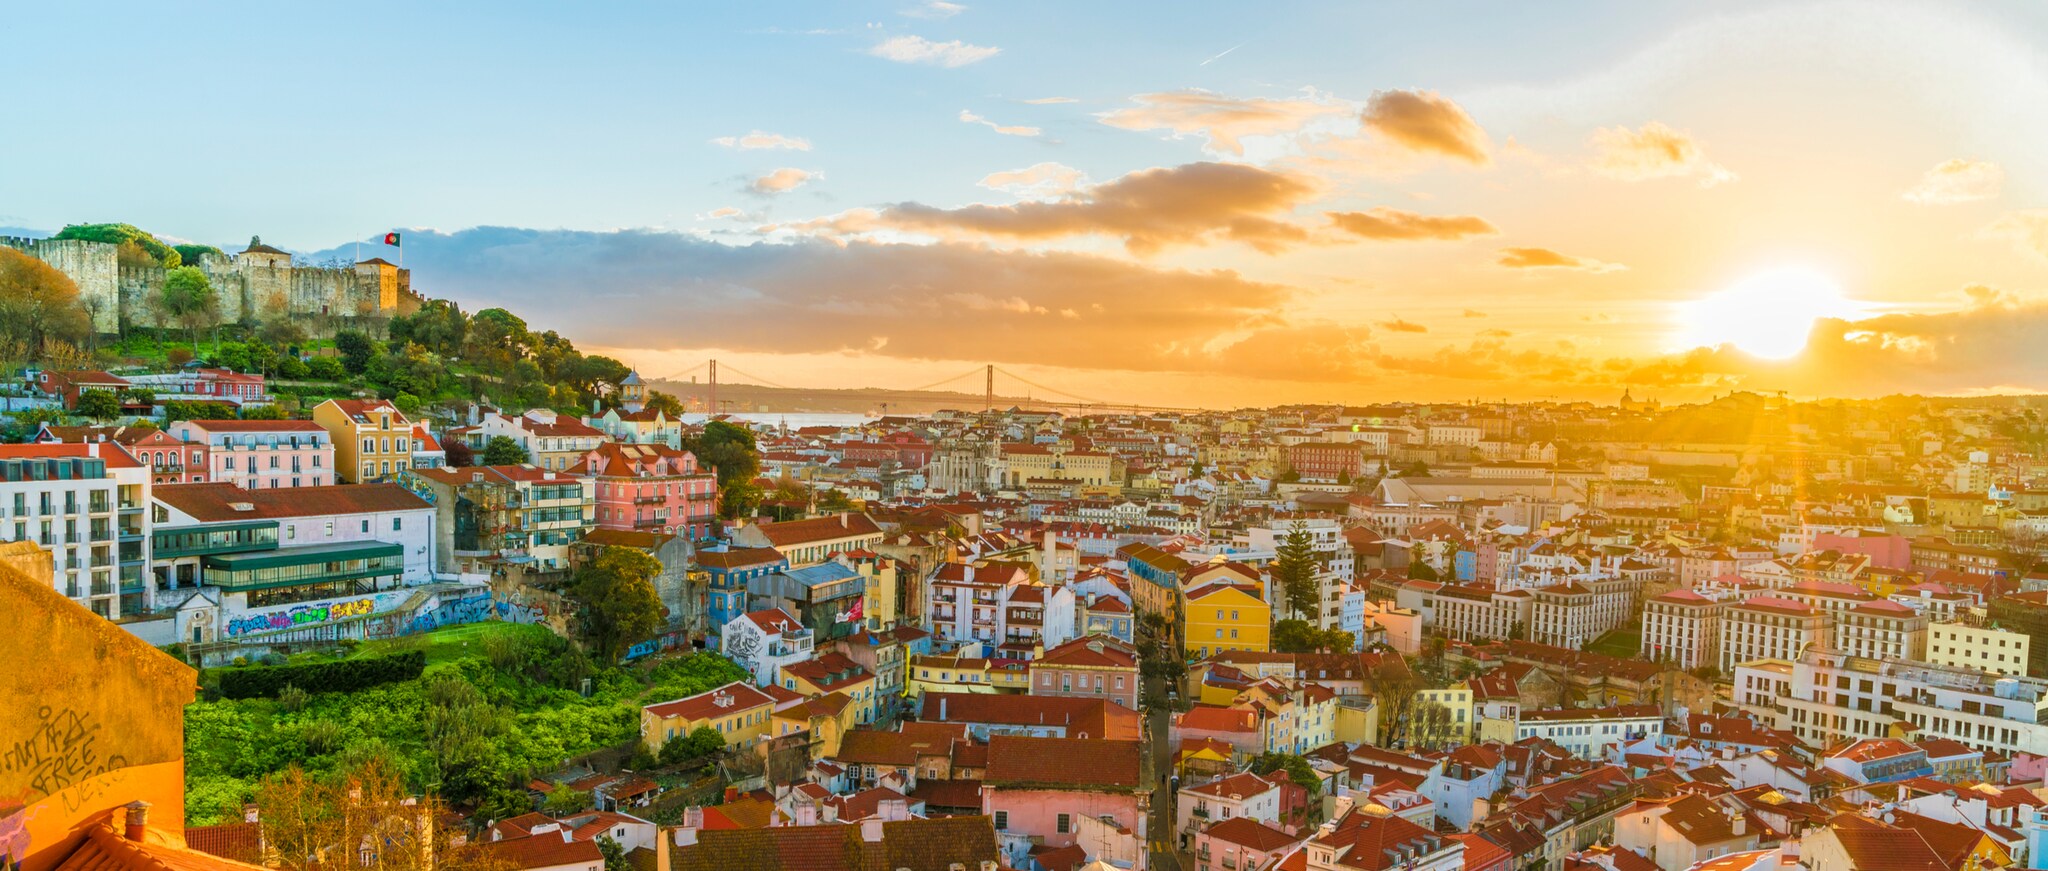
<point x="451" y="612"/>
<point x="59" y="750"/>
<point x="303" y="615"/>
<point x="669" y="641"/>
<point x="521" y="612"/>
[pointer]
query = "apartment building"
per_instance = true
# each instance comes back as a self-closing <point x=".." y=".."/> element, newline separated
<point x="1088" y="667"/>
<point x="489" y="518"/>
<point x="1469" y="613"/>
<point x="170" y="458"/>
<point x="1767" y="627"/>
<point x="86" y="506"/>
<point x="291" y="564"/>
<point x="1983" y="647"/>
<point x="813" y="541"/>
<point x="1227" y="616"/>
<point x="651" y="487"/>
<point x="1882" y="629"/>
<point x="263" y="454"/>
<point x="1831" y="695"/>
<point x="373" y="440"/>
<point x="1683" y="628"/>
<point x="553" y="442"/>
<point x="1575" y="613"/>
<point x="1593" y="733"/>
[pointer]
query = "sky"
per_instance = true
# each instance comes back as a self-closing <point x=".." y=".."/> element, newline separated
<point x="1211" y="204"/>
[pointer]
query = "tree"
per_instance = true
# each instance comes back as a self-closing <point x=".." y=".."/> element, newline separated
<point x="124" y="234"/>
<point x="614" y="854"/>
<point x="273" y="411"/>
<point x="189" y="298"/>
<point x="565" y="801"/>
<point x="1432" y="725"/>
<point x="356" y="351"/>
<point x="700" y="742"/>
<point x="98" y="405"/>
<point x="504" y="451"/>
<point x="458" y="453"/>
<point x="1294" y="572"/>
<point x="190" y="253"/>
<point x="292" y="368"/>
<point x="731" y="452"/>
<point x="365" y="814"/>
<point x="38" y="304"/>
<point x="617" y="588"/>
<point x="326" y="369"/>
<point x="1301" y="636"/>
<point x="664" y="403"/>
<point x="1297" y="768"/>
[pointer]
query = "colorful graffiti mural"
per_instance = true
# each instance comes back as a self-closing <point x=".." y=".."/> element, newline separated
<point x="669" y="641"/>
<point x="452" y="612"/>
<point x="303" y="615"/>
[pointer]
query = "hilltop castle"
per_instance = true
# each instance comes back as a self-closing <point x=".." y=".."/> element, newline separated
<point x="260" y="282"/>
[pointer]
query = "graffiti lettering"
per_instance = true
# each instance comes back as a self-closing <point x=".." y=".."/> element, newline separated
<point x="61" y="749"/>
<point x="14" y="838"/>
<point x="303" y="615"/>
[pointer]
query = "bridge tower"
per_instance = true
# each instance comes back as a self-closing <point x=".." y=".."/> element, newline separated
<point x="988" y="393"/>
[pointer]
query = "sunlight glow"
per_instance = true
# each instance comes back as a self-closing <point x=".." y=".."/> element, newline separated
<point x="1768" y="314"/>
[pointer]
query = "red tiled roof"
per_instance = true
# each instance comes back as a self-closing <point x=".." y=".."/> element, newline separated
<point x="1248" y="832"/>
<point x="544" y="850"/>
<point x="797" y="532"/>
<point x="1054" y="763"/>
<point x="214" y="502"/>
<point x="705" y="704"/>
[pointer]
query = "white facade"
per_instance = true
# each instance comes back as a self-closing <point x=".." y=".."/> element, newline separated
<point x="87" y="505"/>
<point x="1683" y="628"/>
<point x="1982" y="647"/>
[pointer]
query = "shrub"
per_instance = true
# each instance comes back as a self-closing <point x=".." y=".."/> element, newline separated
<point x="322" y="677"/>
<point x="291" y="698"/>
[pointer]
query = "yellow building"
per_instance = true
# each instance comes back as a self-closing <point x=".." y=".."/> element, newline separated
<point x="1025" y="463"/>
<point x="833" y="673"/>
<point x="1981" y="647"/>
<point x="1228" y="616"/>
<point x="1452" y="727"/>
<point x="826" y="718"/>
<point x="372" y="438"/>
<point x="961" y="674"/>
<point x="1358" y="721"/>
<point x="737" y="710"/>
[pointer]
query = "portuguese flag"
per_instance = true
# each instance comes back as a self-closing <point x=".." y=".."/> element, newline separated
<point x="391" y="239"/>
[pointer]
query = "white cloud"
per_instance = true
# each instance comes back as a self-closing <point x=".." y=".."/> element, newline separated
<point x="1654" y="151"/>
<point x="2026" y="229"/>
<point x="1038" y="181"/>
<point x="1048" y="101"/>
<point x="972" y="118"/>
<point x="724" y="212"/>
<point x="934" y="10"/>
<point x="760" y="140"/>
<point x="783" y="180"/>
<point x="912" y="49"/>
<point x="1957" y="181"/>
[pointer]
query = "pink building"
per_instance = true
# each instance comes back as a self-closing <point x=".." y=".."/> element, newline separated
<point x="1242" y="843"/>
<point x="170" y="458"/>
<point x="1885" y="551"/>
<point x="651" y="488"/>
<point x="1062" y="791"/>
<point x="1095" y="666"/>
<point x="263" y="454"/>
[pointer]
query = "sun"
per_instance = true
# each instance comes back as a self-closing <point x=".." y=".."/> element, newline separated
<point x="1767" y="315"/>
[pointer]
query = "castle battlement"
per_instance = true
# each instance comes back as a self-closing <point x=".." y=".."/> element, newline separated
<point x="260" y="283"/>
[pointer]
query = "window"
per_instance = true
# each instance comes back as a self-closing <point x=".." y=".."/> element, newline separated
<point x="1064" y="825"/>
<point x="1002" y="820"/>
<point x="397" y="523"/>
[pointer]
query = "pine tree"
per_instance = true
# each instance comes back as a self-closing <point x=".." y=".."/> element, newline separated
<point x="1294" y="572"/>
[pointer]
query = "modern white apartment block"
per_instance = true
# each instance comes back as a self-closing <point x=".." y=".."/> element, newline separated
<point x="1683" y="628"/>
<point x="1766" y="627"/>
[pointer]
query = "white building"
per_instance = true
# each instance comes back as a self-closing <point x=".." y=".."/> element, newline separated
<point x="1238" y="795"/>
<point x="87" y="505"/>
<point x="1593" y="733"/>
<point x="762" y="642"/>
<point x="1982" y="647"/>
<point x="1831" y="696"/>
<point x="1683" y="628"/>
<point x="1766" y="627"/>
<point x="1882" y="629"/>
<point x="1333" y="559"/>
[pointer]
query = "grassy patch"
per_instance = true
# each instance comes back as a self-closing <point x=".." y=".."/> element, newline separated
<point x="1620" y="643"/>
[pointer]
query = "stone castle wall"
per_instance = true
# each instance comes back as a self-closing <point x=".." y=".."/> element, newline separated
<point x="251" y="288"/>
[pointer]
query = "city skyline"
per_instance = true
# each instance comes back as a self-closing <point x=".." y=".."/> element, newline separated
<point x="1310" y="204"/>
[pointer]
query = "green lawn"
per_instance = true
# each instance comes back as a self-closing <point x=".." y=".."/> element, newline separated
<point x="1621" y="643"/>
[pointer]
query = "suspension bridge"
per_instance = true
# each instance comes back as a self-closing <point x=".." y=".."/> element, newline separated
<point x="1061" y="400"/>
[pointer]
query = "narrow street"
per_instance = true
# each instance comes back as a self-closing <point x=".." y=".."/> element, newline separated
<point x="1164" y="846"/>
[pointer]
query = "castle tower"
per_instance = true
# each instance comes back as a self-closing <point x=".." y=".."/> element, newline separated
<point x="632" y="392"/>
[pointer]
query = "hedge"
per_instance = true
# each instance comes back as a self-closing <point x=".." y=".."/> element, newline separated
<point x="322" y="677"/>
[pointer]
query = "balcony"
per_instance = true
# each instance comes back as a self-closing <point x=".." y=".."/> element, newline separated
<point x="650" y="500"/>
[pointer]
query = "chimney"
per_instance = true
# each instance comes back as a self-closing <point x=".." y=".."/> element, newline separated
<point x="662" y="838"/>
<point x="249" y="813"/>
<point x="137" y="820"/>
<point x="942" y="708"/>
<point x="871" y="830"/>
<point x="1740" y="824"/>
